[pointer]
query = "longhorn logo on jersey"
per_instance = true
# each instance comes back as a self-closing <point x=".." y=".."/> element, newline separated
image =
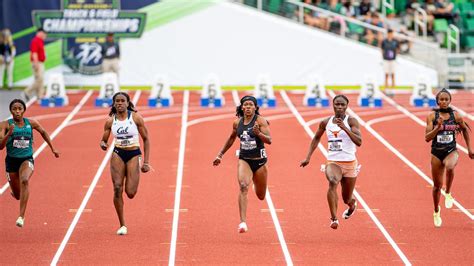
<point x="335" y="133"/>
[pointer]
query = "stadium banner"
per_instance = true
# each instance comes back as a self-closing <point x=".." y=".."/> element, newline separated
<point x="83" y="26"/>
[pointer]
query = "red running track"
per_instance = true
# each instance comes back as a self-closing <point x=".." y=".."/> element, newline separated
<point x="208" y="217"/>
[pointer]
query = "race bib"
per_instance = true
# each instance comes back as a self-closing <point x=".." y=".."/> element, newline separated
<point x="263" y="153"/>
<point x="248" y="144"/>
<point x="335" y="144"/>
<point x="445" y="139"/>
<point x="123" y="142"/>
<point x="21" y="143"/>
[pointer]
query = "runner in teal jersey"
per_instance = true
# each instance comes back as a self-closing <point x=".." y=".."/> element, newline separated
<point x="17" y="135"/>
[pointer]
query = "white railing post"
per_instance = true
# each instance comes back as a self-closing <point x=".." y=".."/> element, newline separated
<point x="301" y="14"/>
<point x="451" y="39"/>
<point x="259" y="5"/>
<point x="387" y="4"/>
<point x="421" y="22"/>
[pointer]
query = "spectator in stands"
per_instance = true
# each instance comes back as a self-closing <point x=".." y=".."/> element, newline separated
<point x="37" y="58"/>
<point x="348" y="9"/>
<point x="390" y="49"/>
<point x="373" y="37"/>
<point x="409" y="13"/>
<point x="335" y="23"/>
<point x="7" y="54"/>
<point x="444" y="10"/>
<point x="365" y="7"/>
<point x="110" y="55"/>
<point x="312" y="17"/>
<point x="430" y="9"/>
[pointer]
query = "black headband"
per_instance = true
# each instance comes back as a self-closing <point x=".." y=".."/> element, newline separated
<point x="248" y="98"/>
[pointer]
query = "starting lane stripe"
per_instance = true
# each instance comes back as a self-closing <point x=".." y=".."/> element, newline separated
<point x="359" y="198"/>
<point x="414" y="117"/>
<point x="86" y="198"/>
<point x="179" y="179"/>
<point x="56" y="132"/>
<point x="401" y="156"/>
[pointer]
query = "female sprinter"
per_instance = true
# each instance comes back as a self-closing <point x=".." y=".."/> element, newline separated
<point x="125" y="124"/>
<point x="253" y="131"/>
<point x="343" y="136"/>
<point x="17" y="135"/>
<point x="441" y="127"/>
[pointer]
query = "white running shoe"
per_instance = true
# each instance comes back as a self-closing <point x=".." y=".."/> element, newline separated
<point x="122" y="231"/>
<point x="437" y="218"/>
<point x="20" y="221"/>
<point x="348" y="213"/>
<point x="448" y="201"/>
<point x="334" y="223"/>
<point x="243" y="227"/>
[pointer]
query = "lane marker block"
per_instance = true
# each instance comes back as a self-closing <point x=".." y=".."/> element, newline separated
<point x="160" y="95"/>
<point x="55" y="92"/>
<point x="108" y="88"/>
<point x="422" y="94"/>
<point x="211" y="93"/>
<point x="264" y="92"/>
<point x="315" y="94"/>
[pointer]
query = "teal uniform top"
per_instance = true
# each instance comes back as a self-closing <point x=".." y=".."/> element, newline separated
<point x="20" y="143"/>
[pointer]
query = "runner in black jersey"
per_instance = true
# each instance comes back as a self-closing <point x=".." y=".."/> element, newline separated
<point x="253" y="131"/>
<point x="442" y="125"/>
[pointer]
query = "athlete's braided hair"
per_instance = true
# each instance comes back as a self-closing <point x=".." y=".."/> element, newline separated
<point x="130" y="107"/>
<point x="17" y="101"/>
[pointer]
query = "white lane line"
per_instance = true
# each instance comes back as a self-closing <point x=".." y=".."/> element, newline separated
<point x="56" y="132"/>
<point x="414" y="117"/>
<point x="86" y="198"/>
<point x="388" y="118"/>
<point x="462" y="112"/>
<point x="281" y="237"/>
<point x="209" y="118"/>
<point x="357" y="195"/>
<point x="401" y="156"/>
<point x="179" y="178"/>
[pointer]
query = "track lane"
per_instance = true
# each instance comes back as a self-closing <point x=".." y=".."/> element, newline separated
<point x="46" y="117"/>
<point x="209" y="217"/>
<point x="55" y="186"/>
<point x="147" y="215"/>
<point x="307" y="225"/>
<point x="402" y="134"/>
<point x="404" y="203"/>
